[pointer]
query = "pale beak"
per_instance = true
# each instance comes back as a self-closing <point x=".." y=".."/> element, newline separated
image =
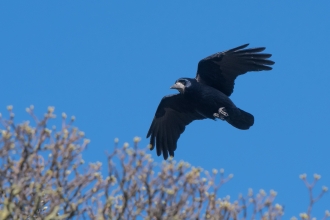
<point x="178" y="86"/>
<point x="174" y="86"/>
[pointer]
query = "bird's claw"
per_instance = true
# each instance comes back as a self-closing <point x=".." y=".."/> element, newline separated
<point x="222" y="113"/>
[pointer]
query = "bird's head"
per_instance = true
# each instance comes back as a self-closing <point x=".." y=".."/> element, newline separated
<point x="181" y="84"/>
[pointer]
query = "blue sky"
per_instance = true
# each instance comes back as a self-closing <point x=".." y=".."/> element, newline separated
<point x="110" y="63"/>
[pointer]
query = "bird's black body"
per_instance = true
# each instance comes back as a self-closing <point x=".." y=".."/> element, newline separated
<point x="206" y="99"/>
<point x="206" y="96"/>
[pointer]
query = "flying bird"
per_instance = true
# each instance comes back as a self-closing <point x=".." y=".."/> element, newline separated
<point x="205" y="96"/>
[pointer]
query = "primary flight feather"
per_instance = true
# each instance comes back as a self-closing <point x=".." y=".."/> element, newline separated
<point x="205" y="96"/>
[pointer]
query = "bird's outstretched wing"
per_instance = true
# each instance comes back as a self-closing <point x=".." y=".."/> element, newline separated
<point x="172" y="115"/>
<point x="221" y="69"/>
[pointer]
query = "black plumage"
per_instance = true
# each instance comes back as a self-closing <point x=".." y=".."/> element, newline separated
<point x="206" y="96"/>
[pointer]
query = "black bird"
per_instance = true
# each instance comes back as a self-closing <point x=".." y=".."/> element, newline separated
<point x="206" y="96"/>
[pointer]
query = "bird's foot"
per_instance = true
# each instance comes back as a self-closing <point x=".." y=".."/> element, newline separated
<point x="216" y="115"/>
<point x="222" y="113"/>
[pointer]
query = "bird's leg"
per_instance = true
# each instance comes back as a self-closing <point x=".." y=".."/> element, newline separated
<point x="222" y="113"/>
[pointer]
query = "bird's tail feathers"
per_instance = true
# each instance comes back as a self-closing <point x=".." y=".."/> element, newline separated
<point x="242" y="121"/>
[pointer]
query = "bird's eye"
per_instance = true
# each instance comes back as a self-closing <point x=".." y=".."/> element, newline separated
<point x="183" y="82"/>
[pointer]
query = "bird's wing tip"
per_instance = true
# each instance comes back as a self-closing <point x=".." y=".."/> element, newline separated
<point x="237" y="48"/>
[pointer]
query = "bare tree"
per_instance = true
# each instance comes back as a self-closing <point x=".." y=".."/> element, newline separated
<point x="43" y="176"/>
